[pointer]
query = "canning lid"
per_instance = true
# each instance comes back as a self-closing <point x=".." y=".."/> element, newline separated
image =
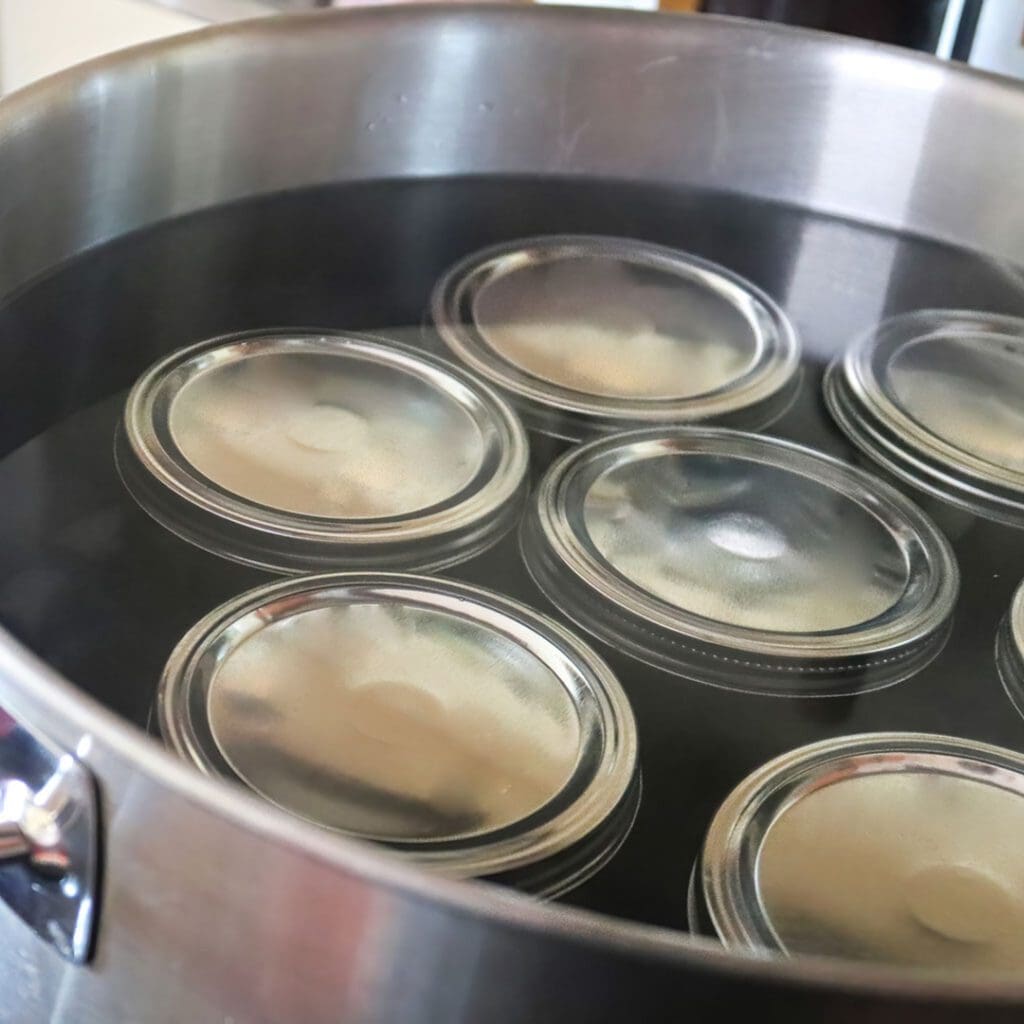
<point x="447" y="723"/>
<point x="298" y="450"/>
<point x="747" y="562"/>
<point x="1010" y="650"/>
<point x="937" y="398"/>
<point x="589" y="335"/>
<point x="894" y="847"/>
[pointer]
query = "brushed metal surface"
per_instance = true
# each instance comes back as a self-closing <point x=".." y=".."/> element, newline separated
<point x="625" y="535"/>
<point x="175" y="126"/>
<point x="463" y="730"/>
<point x="913" y="860"/>
<point x="302" y="450"/>
<point x="588" y="334"/>
<point x="937" y="395"/>
<point x="215" y="908"/>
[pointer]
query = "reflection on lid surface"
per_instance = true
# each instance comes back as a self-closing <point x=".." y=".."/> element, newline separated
<point x="911" y="867"/>
<point x="325" y="435"/>
<point x="394" y="722"/>
<point x="968" y="390"/>
<point x="302" y="450"/>
<point x="457" y="727"/>
<point x="937" y="397"/>
<point x="600" y="326"/>
<point x="589" y="335"/>
<point x="742" y="561"/>
<point x="744" y="543"/>
<point x="1009" y="650"/>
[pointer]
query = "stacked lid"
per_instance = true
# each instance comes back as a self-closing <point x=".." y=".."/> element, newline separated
<point x="470" y="734"/>
<point x="1010" y="650"/>
<point x="894" y="847"/>
<point x="937" y="398"/>
<point x="743" y="561"/>
<point x="297" y="451"/>
<point x="588" y="335"/>
<point x="450" y="724"/>
<point x="447" y="723"/>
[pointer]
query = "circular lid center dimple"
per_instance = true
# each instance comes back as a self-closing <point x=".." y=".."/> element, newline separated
<point x="600" y="325"/>
<point x="744" y="543"/>
<point x="326" y="428"/>
<point x="395" y="713"/>
<point x="394" y="722"/>
<point x="747" y="536"/>
<point x="960" y="903"/>
<point x="912" y="867"/>
<point x="326" y="435"/>
<point x="968" y="390"/>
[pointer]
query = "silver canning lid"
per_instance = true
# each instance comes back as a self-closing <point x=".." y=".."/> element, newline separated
<point x="1010" y="650"/>
<point x="589" y="335"/>
<point x="742" y="561"/>
<point x="448" y="723"/>
<point x="894" y="847"/>
<point x="937" y="397"/>
<point x="298" y="450"/>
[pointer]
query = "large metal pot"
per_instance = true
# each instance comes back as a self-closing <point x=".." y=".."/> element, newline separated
<point x="209" y="906"/>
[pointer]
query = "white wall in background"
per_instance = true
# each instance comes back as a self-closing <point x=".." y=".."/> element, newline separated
<point x="39" y="37"/>
<point x="999" y="38"/>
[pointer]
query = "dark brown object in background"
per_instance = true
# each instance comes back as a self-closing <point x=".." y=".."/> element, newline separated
<point x="912" y="23"/>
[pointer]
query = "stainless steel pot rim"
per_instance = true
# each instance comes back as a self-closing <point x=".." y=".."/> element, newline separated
<point x="1010" y="650"/>
<point x="558" y="553"/>
<point x="754" y="398"/>
<point x="596" y="796"/>
<point x="871" y="416"/>
<point x="34" y="688"/>
<point x="188" y="503"/>
<point x="728" y="881"/>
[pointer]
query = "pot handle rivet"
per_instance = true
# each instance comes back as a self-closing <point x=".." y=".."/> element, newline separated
<point x="48" y="840"/>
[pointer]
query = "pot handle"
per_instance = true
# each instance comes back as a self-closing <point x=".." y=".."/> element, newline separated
<point x="49" y="839"/>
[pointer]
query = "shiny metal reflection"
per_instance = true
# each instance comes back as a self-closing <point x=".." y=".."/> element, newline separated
<point x="745" y="543"/>
<point x="446" y="722"/>
<point x="590" y="334"/>
<point x="747" y="562"/>
<point x="186" y="116"/>
<point x="300" y="450"/>
<point x="393" y="721"/>
<point x="312" y="433"/>
<point x="892" y="847"/>
<point x="937" y="397"/>
<point x="1010" y="650"/>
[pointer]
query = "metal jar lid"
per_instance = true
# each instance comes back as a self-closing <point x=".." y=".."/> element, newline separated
<point x="894" y="847"/>
<point x="589" y="335"/>
<point x="742" y="561"/>
<point x="301" y="450"/>
<point x="1010" y="650"/>
<point x="937" y="398"/>
<point x="447" y="723"/>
